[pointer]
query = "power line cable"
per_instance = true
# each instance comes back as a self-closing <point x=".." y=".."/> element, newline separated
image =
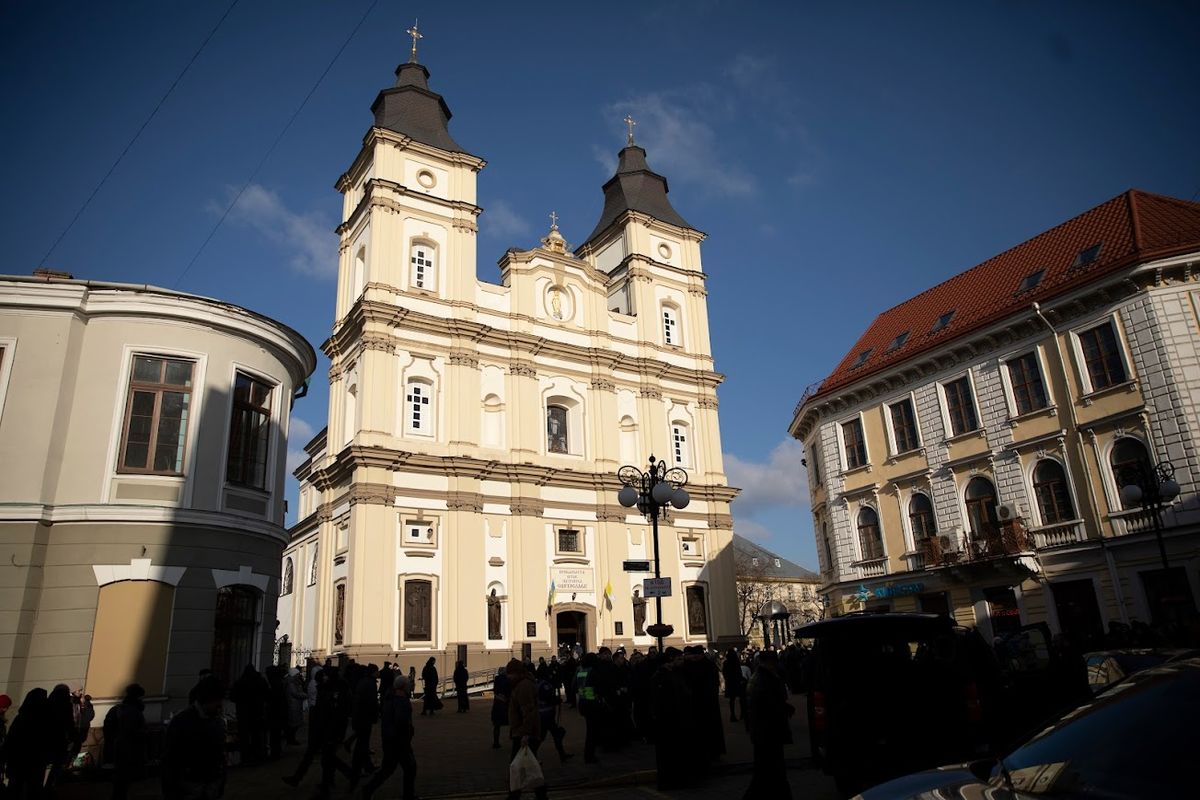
<point x="121" y="157"/>
<point x="275" y="143"/>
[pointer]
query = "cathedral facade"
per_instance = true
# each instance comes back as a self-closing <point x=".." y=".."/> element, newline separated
<point x="462" y="501"/>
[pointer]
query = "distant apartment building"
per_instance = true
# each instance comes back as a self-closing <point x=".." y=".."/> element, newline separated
<point x="967" y="455"/>
<point x="765" y="578"/>
<point x="142" y="460"/>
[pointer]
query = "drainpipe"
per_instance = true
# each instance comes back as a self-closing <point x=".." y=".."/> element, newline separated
<point x="1094" y="505"/>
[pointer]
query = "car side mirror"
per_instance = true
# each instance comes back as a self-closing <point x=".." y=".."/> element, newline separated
<point x="982" y="768"/>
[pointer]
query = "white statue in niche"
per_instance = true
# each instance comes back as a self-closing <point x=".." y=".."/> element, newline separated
<point x="556" y="302"/>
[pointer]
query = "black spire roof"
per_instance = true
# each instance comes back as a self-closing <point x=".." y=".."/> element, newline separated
<point x="635" y="188"/>
<point x="411" y="109"/>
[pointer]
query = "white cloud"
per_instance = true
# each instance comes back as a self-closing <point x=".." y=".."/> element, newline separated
<point x="779" y="482"/>
<point x="307" y="238"/>
<point x="499" y="220"/>
<point x="680" y="142"/>
<point x="299" y="434"/>
<point x="752" y="530"/>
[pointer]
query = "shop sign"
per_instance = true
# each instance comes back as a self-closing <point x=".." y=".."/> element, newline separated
<point x="864" y="594"/>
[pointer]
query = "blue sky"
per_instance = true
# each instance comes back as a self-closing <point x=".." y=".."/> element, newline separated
<point x="840" y="156"/>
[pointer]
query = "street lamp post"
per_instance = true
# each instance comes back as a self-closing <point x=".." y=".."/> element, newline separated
<point x="1153" y="489"/>
<point x="652" y="492"/>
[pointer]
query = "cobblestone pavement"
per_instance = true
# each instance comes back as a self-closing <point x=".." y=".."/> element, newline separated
<point x="456" y="760"/>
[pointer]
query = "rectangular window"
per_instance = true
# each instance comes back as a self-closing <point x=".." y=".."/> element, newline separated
<point x="960" y="406"/>
<point x="619" y="628"/>
<point x="679" y="444"/>
<point x="156" y="415"/>
<point x="249" y="433"/>
<point x="1102" y="356"/>
<point x="568" y="541"/>
<point x="1025" y="376"/>
<point x="670" y="326"/>
<point x="816" y="464"/>
<point x="856" y="446"/>
<point x="556" y="429"/>
<point x="418" y="532"/>
<point x="904" y="426"/>
<point x="422" y="261"/>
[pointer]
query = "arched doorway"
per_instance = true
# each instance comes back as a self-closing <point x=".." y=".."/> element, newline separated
<point x="571" y="626"/>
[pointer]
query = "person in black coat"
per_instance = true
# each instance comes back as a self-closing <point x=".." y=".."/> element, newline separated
<point x="27" y="747"/>
<point x="194" y="759"/>
<point x="767" y="718"/>
<point x="396" y="729"/>
<point x="461" y="677"/>
<point x="129" y="745"/>
<point x="365" y="710"/>
<point x="429" y="676"/>
<point x="500" y="689"/>
<point x="250" y="695"/>
<point x="735" y="684"/>
<point x="385" y="681"/>
<point x="312" y="747"/>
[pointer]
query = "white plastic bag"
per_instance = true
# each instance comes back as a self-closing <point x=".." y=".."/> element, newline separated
<point x="524" y="773"/>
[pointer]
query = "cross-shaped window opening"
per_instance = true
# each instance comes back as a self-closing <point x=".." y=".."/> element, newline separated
<point x="418" y="398"/>
<point x="422" y="263"/>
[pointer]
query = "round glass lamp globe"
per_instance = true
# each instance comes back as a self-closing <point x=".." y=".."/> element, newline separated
<point x="1168" y="489"/>
<point x="662" y="493"/>
<point x="1131" y="495"/>
<point x="680" y="499"/>
<point x="628" y="496"/>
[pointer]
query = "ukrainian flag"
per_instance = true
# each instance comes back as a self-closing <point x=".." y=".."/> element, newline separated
<point x="550" y="597"/>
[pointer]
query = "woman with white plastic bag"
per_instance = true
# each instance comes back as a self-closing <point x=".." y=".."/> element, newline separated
<point x="525" y="728"/>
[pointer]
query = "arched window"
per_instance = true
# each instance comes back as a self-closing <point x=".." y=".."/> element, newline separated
<point x="312" y="574"/>
<point x="920" y="514"/>
<point x="556" y="430"/>
<point x="418" y="407"/>
<point x="235" y="627"/>
<point x="1053" y="497"/>
<point x="680" y="447"/>
<point x="670" y="319"/>
<point x="288" y="577"/>
<point x="424" y="266"/>
<point x="350" y="415"/>
<point x="1129" y="462"/>
<point x="870" y="539"/>
<point x="360" y="274"/>
<point x="980" y="497"/>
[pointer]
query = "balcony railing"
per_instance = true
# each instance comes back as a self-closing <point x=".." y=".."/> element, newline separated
<point x="994" y="541"/>
<point x="1137" y="520"/>
<point x="1059" y="534"/>
<point x="872" y="568"/>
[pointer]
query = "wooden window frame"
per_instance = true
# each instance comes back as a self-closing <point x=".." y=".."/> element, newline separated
<point x="158" y="389"/>
<point x="1028" y="383"/>
<point x="894" y="429"/>
<point x="860" y="442"/>
<point x="868" y="554"/>
<point x="967" y="408"/>
<point x="1053" y="495"/>
<point x="1108" y="358"/>
<point x="920" y="532"/>
<point x="267" y="413"/>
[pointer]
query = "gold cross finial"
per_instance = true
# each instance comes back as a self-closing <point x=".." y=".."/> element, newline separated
<point x="629" y="121"/>
<point x="415" y="34"/>
<point x="553" y="221"/>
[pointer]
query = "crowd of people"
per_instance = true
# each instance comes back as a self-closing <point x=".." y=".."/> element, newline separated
<point x="670" y="700"/>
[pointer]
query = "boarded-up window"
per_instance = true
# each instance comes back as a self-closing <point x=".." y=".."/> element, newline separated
<point x="418" y="611"/>
<point x="130" y="639"/>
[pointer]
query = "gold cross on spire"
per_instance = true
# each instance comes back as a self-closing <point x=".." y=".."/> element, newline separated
<point x="553" y="221"/>
<point x="629" y="121"/>
<point x="415" y="34"/>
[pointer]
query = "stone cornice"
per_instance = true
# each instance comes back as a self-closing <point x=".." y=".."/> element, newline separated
<point x="370" y="313"/>
<point x="707" y="401"/>
<point x="525" y="369"/>
<point x="603" y="384"/>
<point x="527" y="506"/>
<point x="651" y="391"/>
<point x="466" y="358"/>
<point x="375" y="136"/>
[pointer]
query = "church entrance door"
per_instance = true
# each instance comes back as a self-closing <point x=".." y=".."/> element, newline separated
<point x="571" y="629"/>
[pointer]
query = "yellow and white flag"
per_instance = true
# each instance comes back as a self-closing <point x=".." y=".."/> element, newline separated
<point x="608" y="591"/>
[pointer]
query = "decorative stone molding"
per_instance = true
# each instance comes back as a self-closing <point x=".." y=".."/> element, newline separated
<point x="527" y="507"/>
<point x="243" y="575"/>
<point x="325" y="512"/>
<point x="372" y="494"/>
<point x="465" y="501"/>
<point x="603" y="384"/>
<point x="525" y="369"/>
<point x="464" y="225"/>
<point x="698" y="291"/>
<point x="466" y="358"/>
<point x="649" y="390"/>
<point x="707" y="402"/>
<point x="379" y="341"/>
<point x="495" y="561"/>
<point x="138" y="569"/>
<point x="611" y="513"/>
<point x="720" y="521"/>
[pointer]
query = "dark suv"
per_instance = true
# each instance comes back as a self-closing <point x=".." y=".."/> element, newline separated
<point x="889" y="694"/>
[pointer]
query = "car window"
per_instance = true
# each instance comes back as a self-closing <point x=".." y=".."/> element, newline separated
<point x="1133" y="741"/>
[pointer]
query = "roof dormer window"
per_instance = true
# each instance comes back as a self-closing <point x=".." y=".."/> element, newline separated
<point x="1087" y="256"/>
<point x="898" y="342"/>
<point x="862" y="358"/>
<point x="1031" y="281"/>
<point x="943" y="321"/>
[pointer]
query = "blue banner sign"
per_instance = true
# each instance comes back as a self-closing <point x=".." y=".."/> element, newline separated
<point x="884" y="592"/>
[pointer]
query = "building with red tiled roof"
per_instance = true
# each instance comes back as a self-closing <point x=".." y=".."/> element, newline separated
<point x="968" y="453"/>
